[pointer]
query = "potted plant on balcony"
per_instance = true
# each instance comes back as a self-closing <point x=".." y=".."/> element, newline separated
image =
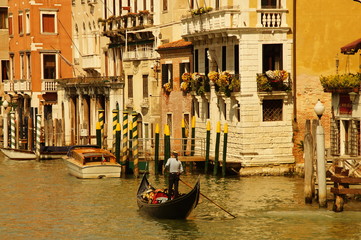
<point x="344" y="83"/>
<point x="167" y="87"/>
<point x="186" y="82"/>
<point x="273" y="80"/>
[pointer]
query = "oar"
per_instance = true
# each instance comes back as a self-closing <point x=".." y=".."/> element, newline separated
<point x="209" y="199"/>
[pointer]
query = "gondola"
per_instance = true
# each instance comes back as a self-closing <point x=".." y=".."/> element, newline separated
<point x="177" y="208"/>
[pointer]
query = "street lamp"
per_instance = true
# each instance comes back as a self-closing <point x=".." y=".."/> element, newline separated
<point x="352" y="96"/>
<point x="319" y="109"/>
<point x="320" y="149"/>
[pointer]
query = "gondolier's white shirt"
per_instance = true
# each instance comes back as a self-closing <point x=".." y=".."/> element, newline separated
<point x="175" y="166"/>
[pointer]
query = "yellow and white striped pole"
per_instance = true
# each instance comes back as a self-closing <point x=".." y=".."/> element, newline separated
<point x="12" y="130"/>
<point x="125" y="142"/>
<point x="135" y="144"/>
<point x="38" y="135"/>
<point x="115" y="122"/>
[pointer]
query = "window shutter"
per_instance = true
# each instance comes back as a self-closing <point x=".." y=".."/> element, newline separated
<point x="334" y="135"/>
<point x="48" y="23"/>
<point x="354" y="137"/>
<point x="164" y="74"/>
<point x="171" y="74"/>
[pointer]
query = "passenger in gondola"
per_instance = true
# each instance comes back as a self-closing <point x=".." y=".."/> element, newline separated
<point x="175" y="169"/>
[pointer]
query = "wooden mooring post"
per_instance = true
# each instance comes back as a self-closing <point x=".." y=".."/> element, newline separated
<point x="308" y="158"/>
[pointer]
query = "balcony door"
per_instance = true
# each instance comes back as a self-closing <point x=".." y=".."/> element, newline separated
<point x="272" y="57"/>
<point x="271" y="4"/>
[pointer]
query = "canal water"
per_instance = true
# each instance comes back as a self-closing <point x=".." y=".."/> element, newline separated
<point x="40" y="200"/>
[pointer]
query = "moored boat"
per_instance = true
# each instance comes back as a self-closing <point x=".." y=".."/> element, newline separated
<point x="53" y="152"/>
<point x="176" y="208"/>
<point x="18" y="154"/>
<point x="92" y="162"/>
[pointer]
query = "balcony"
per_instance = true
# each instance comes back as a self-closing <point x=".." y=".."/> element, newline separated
<point x="91" y="61"/>
<point x="131" y="21"/>
<point x="49" y="85"/>
<point x="271" y="18"/>
<point x="277" y="80"/>
<point x="212" y="21"/>
<point x="8" y="86"/>
<point x="140" y="55"/>
<point x="22" y="85"/>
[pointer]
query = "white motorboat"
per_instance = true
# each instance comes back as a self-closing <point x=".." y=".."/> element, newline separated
<point x="92" y="162"/>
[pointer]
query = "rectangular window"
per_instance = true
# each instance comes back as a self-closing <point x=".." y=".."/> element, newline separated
<point x="271" y="4"/>
<point x="48" y="23"/>
<point x="183" y="68"/>
<point x="20" y="23"/>
<point x="206" y="62"/>
<point x="217" y="4"/>
<point x="272" y="110"/>
<point x="135" y="6"/>
<point x="145" y="86"/>
<point x="130" y="86"/>
<point x="191" y="4"/>
<point x="22" y="67"/>
<point x="170" y="122"/>
<point x="27" y="23"/>
<point x="5" y="70"/>
<point x="12" y="65"/>
<point x="165" y="5"/>
<point x="167" y="74"/>
<point x="3" y="18"/>
<point x="236" y="59"/>
<point x="49" y="66"/>
<point x="144" y="4"/>
<point x="152" y="5"/>
<point x="224" y="58"/>
<point x="272" y="57"/>
<point x="28" y="72"/>
<point x="196" y="67"/>
<point x="10" y="20"/>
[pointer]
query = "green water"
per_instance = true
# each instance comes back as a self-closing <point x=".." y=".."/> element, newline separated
<point x="40" y="200"/>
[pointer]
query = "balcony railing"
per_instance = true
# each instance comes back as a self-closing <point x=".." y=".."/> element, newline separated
<point x="140" y="54"/>
<point x="22" y="85"/>
<point x="278" y="80"/>
<point x="91" y="80"/>
<point x="91" y="61"/>
<point x="271" y="18"/>
<point x="214" y="20"/>
<point x="130" y="21"/>
<point x="49" y="85"/>
<point x="8" y="86"/>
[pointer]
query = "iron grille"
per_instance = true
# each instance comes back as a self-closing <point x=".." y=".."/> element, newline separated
<point x="272" y="110"/>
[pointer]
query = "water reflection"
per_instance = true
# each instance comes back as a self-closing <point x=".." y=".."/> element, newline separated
<point x="40" y="200"/>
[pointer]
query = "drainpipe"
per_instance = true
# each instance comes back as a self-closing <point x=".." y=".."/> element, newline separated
<point x="294" y="59"/>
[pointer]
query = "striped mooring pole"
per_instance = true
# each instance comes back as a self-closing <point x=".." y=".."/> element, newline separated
<point x="98" y="133"/>
<point x="115" y="123"/>
<point x="12" y="130"/>
<point x="193" y="141"/>
<point x="38" y="134"/>
<point x="166" y="143"/>
<point x="225" y="139"/>
<point x="156" y="150"/>
<point x="117" y="142"/>
<point x="184" y="140"/>
<point x="135" y="144"/>
<point x="216" y="151"/>
<point x="101" y="120"/>
<point x="125" y="142"/>
<point x="208" y="143"/>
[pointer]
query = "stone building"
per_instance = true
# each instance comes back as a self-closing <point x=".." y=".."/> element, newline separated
<point x="242" y="41"/>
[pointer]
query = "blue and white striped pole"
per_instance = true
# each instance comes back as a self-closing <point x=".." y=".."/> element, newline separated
<point x="38" y="134"/>
<point x="12" y="130"/>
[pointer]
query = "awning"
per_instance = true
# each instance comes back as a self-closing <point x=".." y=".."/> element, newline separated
<point x="48" y="98"/>
<point x="351" y="48"/>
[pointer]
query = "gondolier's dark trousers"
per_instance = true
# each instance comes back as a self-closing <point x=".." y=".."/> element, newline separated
<point x="173" y="180"/>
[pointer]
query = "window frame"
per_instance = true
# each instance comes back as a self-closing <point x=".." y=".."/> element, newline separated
<point x="49" y="12"/>
<point x="4" y="22"/>
<point x="20" y="23"/>
<point x="43" y="67"/>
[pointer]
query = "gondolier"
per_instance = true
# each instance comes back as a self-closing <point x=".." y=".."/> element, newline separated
<point x="175" y="169"/>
